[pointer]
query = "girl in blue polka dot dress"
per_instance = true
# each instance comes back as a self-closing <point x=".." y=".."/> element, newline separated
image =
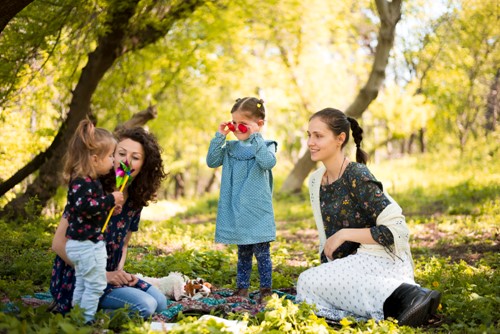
<point x="245" y="215"/>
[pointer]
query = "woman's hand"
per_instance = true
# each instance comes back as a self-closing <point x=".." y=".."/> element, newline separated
<point x="121" y="278"/>
<point x="334" y="242"/>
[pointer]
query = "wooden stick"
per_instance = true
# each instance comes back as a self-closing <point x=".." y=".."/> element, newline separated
<point x="113" y="208"/>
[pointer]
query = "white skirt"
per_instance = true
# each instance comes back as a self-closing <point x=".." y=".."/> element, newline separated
<point x="355" y="286"/>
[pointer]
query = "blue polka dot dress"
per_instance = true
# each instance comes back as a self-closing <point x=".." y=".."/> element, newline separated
<point x="245" y="211"/>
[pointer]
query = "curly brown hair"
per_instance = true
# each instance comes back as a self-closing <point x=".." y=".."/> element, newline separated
<point x="145" y="185"/>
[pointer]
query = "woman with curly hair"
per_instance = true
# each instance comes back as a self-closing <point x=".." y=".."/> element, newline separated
<point x="143" y="153"/>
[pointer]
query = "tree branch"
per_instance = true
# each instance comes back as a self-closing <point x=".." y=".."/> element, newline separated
<point x="390" y="14"/>
<point x="10" y="9"/>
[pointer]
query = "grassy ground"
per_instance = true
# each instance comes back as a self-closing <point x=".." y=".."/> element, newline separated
<point x="453" y="211"/>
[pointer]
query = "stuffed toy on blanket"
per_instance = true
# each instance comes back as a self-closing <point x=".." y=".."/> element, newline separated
<point x="177" y="286"/>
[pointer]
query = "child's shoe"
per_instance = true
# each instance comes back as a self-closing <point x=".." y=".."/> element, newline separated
<point x="241" y="292"/>
<point x="265" y="293"/>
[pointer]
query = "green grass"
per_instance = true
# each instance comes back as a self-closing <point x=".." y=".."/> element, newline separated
<point x="453" y="211"/>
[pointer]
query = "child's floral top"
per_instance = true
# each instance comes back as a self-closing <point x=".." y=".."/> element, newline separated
<point x="87" y="209"/>
<point x="354" y="201"/>
<point x="62" y="282"/>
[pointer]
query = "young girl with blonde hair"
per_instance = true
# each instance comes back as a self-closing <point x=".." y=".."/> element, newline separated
<point x="89" y="155"/>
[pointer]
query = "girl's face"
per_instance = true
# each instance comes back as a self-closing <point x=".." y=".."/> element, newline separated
<point x="131" y="151"/>
<point x="242" y="117"/>
<point x="105" y="163"/>
<point x="322" y="142"/>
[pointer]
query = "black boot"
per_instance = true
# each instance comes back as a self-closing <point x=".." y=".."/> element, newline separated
<point x="411" y="305"/>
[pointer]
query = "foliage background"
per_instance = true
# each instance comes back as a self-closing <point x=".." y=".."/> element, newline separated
<point x="299" y="56"/>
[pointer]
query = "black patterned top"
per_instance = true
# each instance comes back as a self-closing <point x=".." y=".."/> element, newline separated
<point x="87" y="208"/>
<point x="354" y="201"/>
<point x="62" y="282"/>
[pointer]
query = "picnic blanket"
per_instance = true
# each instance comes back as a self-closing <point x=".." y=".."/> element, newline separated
<point x="221" y="302"/>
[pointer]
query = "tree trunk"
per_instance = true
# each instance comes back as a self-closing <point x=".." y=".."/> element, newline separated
<point x="118" y="39"/>
<point x="411" y="140"/>
<point x="180" y="186"/>
<point x="211" y="182"/>
<point x="139" y="119"/>
<point x="389" y="13"/>
<point x="421" y="139"/>
<point x="109" y="47"/>
<point x="493" y="105"/>
<point x="10" y="8"/>
<point x="295" y="180"/>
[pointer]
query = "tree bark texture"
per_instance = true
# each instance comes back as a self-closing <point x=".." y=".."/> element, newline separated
<point x="390" y="14"/>
<point x="99" y="61"/>
<point x="493" y="104"/>
<point x="139" y="119"/>
<point x="10" y="8"/>
<point x="119" y="39"/>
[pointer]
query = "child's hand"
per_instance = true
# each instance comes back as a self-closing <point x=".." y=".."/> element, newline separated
<point x="253" y="127"/>
<point x="118" y="210"/>
<point x="118" y="195"/>
<point x="223" y="129"/>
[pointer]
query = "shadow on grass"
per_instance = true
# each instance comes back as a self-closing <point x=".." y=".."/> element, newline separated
<point x="471" y="253"/>
<point x="464" y="198"/>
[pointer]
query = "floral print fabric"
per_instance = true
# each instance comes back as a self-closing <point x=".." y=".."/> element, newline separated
<point x="87" y="209"/>
<point x="62" y="281"/>
<point x="353" y="201"/>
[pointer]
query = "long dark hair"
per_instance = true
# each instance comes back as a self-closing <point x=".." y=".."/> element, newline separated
<point x="145" y="185"/>
<point x="338" y="122"/>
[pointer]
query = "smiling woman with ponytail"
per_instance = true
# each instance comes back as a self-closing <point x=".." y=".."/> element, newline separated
<point x="367" y="267"/>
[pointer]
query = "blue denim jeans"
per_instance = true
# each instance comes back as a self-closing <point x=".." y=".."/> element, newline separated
<point x="89" y="259"/>
<point x="263" y="255"/>
<point x="144" y="302"/>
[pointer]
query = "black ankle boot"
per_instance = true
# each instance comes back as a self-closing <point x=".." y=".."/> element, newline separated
<point x="411" y="305"/>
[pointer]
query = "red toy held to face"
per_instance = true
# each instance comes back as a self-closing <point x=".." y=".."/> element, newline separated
<point x="241" y="127"/>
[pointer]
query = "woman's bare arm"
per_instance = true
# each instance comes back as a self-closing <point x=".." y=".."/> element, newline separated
<point x="59" y="240"/>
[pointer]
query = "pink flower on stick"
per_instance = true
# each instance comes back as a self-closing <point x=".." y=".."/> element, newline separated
<point x="123" y="174"/>
<point x="123" y="177"/>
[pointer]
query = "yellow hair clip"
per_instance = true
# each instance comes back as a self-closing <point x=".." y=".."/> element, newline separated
<point x="259" y="105"/>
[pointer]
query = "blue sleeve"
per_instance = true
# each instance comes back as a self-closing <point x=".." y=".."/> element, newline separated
<point x="216" y="151"/>
<point x="264" y="154"/>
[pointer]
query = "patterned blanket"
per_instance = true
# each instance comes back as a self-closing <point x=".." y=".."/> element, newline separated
<point x="220" y="302"/>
